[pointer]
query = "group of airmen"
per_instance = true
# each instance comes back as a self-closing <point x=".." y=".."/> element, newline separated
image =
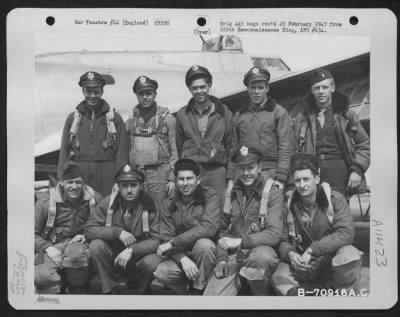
<point x="207" y="202"/>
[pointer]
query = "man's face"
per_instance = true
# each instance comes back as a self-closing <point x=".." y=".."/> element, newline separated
<point x="322" y="92"/>
<point x="130" y="190"/>
<point x="187" y="182"/>
<point x="258" y="91"/>
<point x="200" y="90"/>
<point x="305" y="182"/>
<point x="249" y="173"/>
<point x="146" y="97"/>
<point x="92" y="95"/>
<point x="73" y="188"/>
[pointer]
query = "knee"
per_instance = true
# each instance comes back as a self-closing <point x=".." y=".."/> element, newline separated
<point x="45" y="277"/>
<point x="204" y="247"/>
<point x="263" y="257"/>
<point x="96" y="247"/>
<point x="149" y="263"/>
<point x="161" y="272"/>
<point x="345" y="255"/>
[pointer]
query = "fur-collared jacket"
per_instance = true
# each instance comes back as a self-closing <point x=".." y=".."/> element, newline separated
<point x="352" y="138"/>
<point x="268" y="129"/>
<point x="145" y="244"/>
<point x="325" y="236"/>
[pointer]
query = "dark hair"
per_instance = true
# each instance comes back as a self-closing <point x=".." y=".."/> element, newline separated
<point x="186" y="164"/>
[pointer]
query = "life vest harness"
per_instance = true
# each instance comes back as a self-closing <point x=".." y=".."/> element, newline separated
<point x="144" y="143"/>
<point x="263" y="204"/>
<point x="110" y="213"/>
<point x="52" y="210"/>
<point x="295" y="236"/>
<point x="111" y="131"/>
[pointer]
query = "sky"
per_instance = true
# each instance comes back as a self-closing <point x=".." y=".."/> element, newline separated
<point x="298" y="51"/>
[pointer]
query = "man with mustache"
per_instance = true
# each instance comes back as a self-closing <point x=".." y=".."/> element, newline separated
<point x="94" y="136"/>
<point x="152" y="144"/>
<point x="61" y="251"/>
<point x="204" y="130"/>
<point x="124" y="232"/>
<point x="264" y="124"/>
<point x="327" y="128"/>
<point x="188" y="226"/>
<point x="250" y="230"/>
<point x="316" y="250"/>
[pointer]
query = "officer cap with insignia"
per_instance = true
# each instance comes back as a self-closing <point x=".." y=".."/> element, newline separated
<point x="320" y="75"/>
<point x="144" y="83"/>
<point x="256" y="74"/>
<point x="186" y="164"/>
<point x="91" y="79"/>
<point x="196" y="72"/>
<point x="70" y="170"/>
<point x="128" y="174"/>
<point x="245" y="155"/>
<point x="304" y="161"/>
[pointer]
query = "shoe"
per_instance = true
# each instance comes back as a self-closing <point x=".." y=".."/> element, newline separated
<point x="196" y="292"/>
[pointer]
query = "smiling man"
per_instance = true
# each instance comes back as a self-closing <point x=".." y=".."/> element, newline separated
<point x="152" y="144"/>
<point x="265" y="125"/>
<point x="61" y="251"/>
<point x="94" y="136"/>
<point x="188" y="227"/>
<point x="250" y="230"/>
<point x="204" y="130"/>
<point x="124" y="232"/>
<point x="327" y="128"/>
<point x="316" y="250"/>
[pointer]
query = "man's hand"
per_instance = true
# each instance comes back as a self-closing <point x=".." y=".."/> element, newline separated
<point x="163" y="248"/>
<point x="229" y="243"/>
<point x="78" y="238"/>
<point x="190" y="268"/>
<point x="306" y="257"/>
<point x="278" y="184"/>
<point x="127" y="238"/>
<point x="123" y="258"/>
<point x="54" y="254"/>
<point x="170" y="188"/>
<point x="296" y="261"/>
<point x="354" y="180"/>
<point x="221" y="270"/>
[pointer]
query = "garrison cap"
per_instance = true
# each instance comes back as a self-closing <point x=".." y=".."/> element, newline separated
<point x="70" y="170"/>
<point x="302" y="161"/>
<point x="320" y="75"/>
<point x="91" y="79"/>
<point x="256" y="74"/>
<point x="128" y="174"/>
<point x="196" y="72"/>
<point x="244" y="155"/>
<point x="186" y="164"/>
<point x="144" y="83"/>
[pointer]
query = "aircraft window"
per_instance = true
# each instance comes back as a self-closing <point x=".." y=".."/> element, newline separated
<point x="270" y="63"/>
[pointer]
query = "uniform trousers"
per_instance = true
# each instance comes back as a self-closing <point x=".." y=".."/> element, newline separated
<point x="172" y="276"/>
<point x="256" y="269"/>
<point x="335" y="173"/>
<point x="103" y="255"/>
<point x="214" y="177"/>
<point x="340" y="271"/>
<point x="49" y="276"/>
<point x="156" y="181"/>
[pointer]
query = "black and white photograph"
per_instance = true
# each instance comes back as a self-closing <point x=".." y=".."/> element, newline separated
<point x="184" y="155"/>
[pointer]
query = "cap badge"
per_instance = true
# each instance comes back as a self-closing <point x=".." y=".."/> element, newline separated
<point x="90" y="76"/>
<point x="195" y="68"/>
<point x="255" y="70"/>
<point x="127" y="169"/>
<point x="142" y="79"/>
<point x="244" y="150"/>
